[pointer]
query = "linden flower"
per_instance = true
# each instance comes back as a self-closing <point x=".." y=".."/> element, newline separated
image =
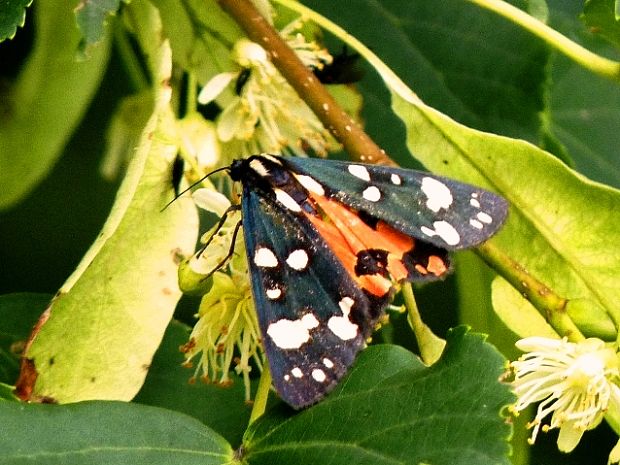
<point x="227" y="329"/>
<point x="219" y="238"/>
<point x="198" y="139"/>
<point x="261" y="111"/>
<point x="574" y="383"/>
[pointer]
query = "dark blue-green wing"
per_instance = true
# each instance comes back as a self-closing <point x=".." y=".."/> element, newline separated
<point x="441" y="211"/>
<point x="313" y="317"/>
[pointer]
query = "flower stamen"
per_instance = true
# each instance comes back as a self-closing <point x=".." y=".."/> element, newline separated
<point x="574" y="383"/>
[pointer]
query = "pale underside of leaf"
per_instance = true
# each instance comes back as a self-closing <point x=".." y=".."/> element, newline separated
<point x="110" y="315"/>
<point x="562" y="227"/>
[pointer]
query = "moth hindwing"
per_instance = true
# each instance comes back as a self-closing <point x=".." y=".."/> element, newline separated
<point x="327" y="240"/>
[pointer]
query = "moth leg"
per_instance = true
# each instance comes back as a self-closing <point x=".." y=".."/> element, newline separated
<point x="231" y="249"/>
<point x="220" y="223"/>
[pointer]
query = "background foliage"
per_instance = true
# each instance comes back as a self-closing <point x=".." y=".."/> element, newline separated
<point x="57" y="112"/>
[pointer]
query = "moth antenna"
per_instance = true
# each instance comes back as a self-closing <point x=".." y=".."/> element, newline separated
<point x="224" y="168"/>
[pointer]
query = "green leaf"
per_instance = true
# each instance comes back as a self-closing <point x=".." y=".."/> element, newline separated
<point x="105" y="433"/>
<point x="523" y="319"/>
<point x="562" y="227"/>
<point x="583" y="110"/>
<point x="116" y="306"/>
<point x="475" y="305"/>
<point x="469" y="63"/>
<point x="18" y="315"/>
<point x="167" y="385"/>
<point x="124" y="132"/>
<point x="91" y="18"/>
<point x="201" y="35"/>
<point x="391" y="409"/>
<point x="32" y="135"/>
<point x="600" y="16"/>
<point x="583" y="107"/>
<point x="12" y="16"/>
<point x="538" y="9"/>
<point x="519" y="315"/>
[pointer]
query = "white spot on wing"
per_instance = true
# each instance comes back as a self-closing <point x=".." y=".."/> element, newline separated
<point x="444" y="230"/>
<point x="437" y="193"/>
<point x="265" y="258"/>
<point x="476" y="224"/>
<point x="309" y="321"/>
<point x="258" y="167"/>
<point x="298" y="259"/>
<point x="372" y="194"/>
<point x="274" y="293"/>
<point x="287" y="377"/>
<point x="292" y="334"/>
<point x="346" y="304"/>
<point x="484" y="217"/>
<point x="310" y="184"/>
<point x="359" y="171"/>
<point x="287" y="200"/>
<point x="328" y="363"/>
<point x="474" y="203"/>
<point x="319" y="375"/>
<point x="297" y="373"/>
<point x="341" y="326"/>
<point x="395" y="179"/>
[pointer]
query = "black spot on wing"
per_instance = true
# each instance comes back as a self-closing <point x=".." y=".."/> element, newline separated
<point x="372" y="261"/>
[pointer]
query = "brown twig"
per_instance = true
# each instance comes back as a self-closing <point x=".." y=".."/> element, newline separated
<point x="346" y="131"/>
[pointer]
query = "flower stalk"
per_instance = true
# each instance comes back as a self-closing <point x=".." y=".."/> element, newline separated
<point x="551" y="305"/>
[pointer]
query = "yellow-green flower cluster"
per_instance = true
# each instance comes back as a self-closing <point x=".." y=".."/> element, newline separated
<point x="261" y="111"/>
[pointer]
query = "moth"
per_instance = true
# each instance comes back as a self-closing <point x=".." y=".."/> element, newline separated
<point x="327" y="241"/>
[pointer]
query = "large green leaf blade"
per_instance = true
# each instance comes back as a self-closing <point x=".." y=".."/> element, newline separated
<point x="562" y="227"/>
<point x="391" y="409"/>
<point x="469" y="63"/>
<point x="32" y="135"/>
<point x="583" y="106"/>
<point x="601" y="16"/>
<point x="105" y="433"/>
<point x="115" y="308"/>
<point x="584" y="117"/>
